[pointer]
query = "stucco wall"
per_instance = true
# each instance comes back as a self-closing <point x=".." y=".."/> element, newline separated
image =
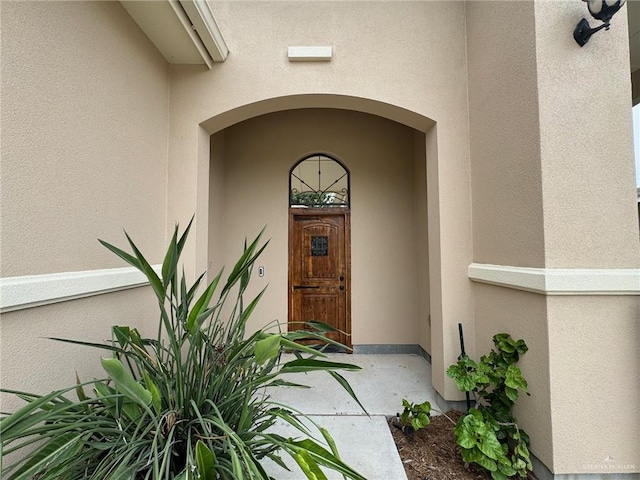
<point x="32" y="362"/>
<point x="84" y="136"/>
<point x="590" y="213"/>
<point x="507" y="192"/>
<point x="258" y="155"/>
<point x="84" y="155"/>
<point x="504" y="133"/>
<point x="594" y="364"/>
<point x="589" y="222"/>
<point x="548" y="192"/>
<point x="217" y="194"/>
<point x="422" y="239"/>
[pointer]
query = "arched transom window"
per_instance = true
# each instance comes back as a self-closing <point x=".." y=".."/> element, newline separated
<point x="319" y="181"/>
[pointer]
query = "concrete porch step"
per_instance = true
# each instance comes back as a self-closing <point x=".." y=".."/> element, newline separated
<point x="365" y="443"/>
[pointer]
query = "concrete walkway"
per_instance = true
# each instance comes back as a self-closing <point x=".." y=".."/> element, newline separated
<point x="365" y="443"/>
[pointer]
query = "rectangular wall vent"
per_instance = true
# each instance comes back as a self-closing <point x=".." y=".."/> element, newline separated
<point x="310" y="54"/>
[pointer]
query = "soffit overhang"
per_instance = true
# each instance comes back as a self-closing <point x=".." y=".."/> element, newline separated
<point x="184" y="31"/>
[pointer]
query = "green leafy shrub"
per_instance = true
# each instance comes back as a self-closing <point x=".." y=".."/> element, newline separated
<point x="489" y="435"/>
<point x="191" y="403"/>
<point x="418" y="415"/>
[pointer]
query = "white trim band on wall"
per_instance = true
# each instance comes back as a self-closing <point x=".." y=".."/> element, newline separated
<point x="560" y="281"/>
<point x="17" y="293"/>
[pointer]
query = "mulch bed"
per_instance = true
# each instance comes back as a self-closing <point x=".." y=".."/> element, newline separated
<point x="433" y="454"/>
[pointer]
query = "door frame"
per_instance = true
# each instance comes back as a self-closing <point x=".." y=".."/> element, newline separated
<point x="345" y="212"/>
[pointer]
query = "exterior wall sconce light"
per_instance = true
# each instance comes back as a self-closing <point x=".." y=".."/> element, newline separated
<point x="602" y="10"/>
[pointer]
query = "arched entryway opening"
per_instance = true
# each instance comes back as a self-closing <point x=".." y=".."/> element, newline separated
<point x="249" y="188"/>
<point x="392" y="155"/>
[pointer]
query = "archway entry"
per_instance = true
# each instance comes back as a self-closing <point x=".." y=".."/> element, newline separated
<point x="390" y="231"/>
<point x="319" y="246"/>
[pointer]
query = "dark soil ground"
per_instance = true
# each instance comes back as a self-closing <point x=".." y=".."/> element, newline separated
<point x="432" y="453"/>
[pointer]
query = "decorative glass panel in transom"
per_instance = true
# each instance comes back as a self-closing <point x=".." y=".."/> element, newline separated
<point x="319" y="181"/>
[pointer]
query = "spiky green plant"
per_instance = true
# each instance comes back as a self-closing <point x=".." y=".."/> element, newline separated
<point x="192" y="403"/>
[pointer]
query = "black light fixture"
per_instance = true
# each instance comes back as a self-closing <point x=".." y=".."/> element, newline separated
<point x="602" y="10"/>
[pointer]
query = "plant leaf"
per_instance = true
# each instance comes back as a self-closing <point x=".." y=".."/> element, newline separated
<point x="312" y="365"/>
<point x="465" y="437"/>
<point x="465" y="379"/>
<point x="489" y="445"/>
<point x="205" y="461"/>
<point x="170" y="262"/>
<point x="278" y="382"/>
<point x="330" y="441"/>
<point x="246" y="313"/>
<point x="149" y="272"/>
<point x="514" y="378"/>
<point x="156" y="400"/>
<point x="235" y="462"/>
<point x="324" y="457"/>
<point x="125" y="382"/>
<point x="130" y="259"/>
<point x="48" y="453"/>
<point x="291" y="419"/>
<point x="122" y="334"/>
<point x="194" y="321"/>
<point x="511" y="393"/>
<point x="27" y="415"/>
<point x="80" y="390"/>
<point x="267" y="348"/>
<point x="309" y="466"/>
<point x="291" y="345"/>
<point x="421" y="421"/>
<point x="345" y="384"/>
<point x="322" y="327"/>
<point x="484" y="461"/>
<point x="245" y="262"/>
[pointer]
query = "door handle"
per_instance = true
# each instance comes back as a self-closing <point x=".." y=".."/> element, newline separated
<point x="300" y="287"/>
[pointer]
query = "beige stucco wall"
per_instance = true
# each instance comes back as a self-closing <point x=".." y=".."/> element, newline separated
<point x="504" y="134"/>
<point x="589" y="222"/>
<point x="590" y="214"/>
<point x="32" y="362"/>
<point x="550" y="192"/>
<point x="365" y="74"/>
<point x="258" y="155"/>
<point x="422" y="239"/>
<point x="594" y="364"/>
<point x="84" y="136"/>
<point x="507" y="192"/>
<point x="84" y="155"/>
<point x="216" y="258"/>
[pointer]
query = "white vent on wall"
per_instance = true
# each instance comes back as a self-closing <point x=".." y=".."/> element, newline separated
<point x="310" y="54"/>
<point x="184" y="31"/>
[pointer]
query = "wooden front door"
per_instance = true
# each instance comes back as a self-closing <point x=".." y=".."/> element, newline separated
<point x="319" y="269"/>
